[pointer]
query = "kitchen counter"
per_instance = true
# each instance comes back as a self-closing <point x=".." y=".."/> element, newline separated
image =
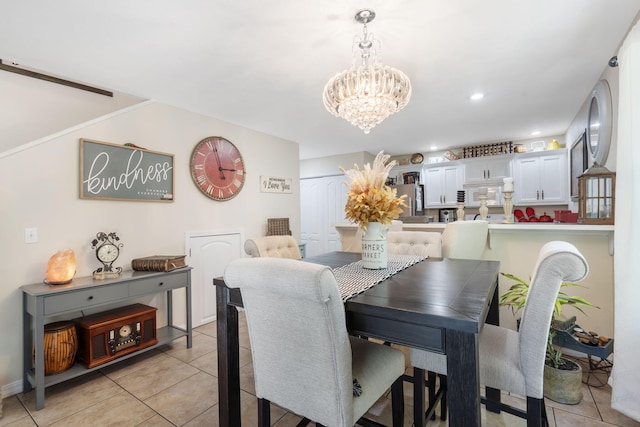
<point x="348" y="231"/>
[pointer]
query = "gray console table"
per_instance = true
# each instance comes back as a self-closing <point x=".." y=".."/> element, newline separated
<point x="41" y="301"/>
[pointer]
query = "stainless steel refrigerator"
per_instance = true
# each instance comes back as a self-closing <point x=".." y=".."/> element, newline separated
<point x="414" y="199"/>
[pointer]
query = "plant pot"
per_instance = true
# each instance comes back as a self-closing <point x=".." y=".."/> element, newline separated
<point x="563" y="386"/>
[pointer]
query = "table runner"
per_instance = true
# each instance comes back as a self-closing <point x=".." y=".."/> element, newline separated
<point x="353" y="279"/>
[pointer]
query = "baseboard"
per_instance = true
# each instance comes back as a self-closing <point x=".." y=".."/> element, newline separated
<point x="11" y="389"/>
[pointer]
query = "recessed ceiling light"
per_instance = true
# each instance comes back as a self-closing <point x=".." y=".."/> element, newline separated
<point x="535" y="132"/>
<point x="476" y="96"/>
<point x="433" y="148"/>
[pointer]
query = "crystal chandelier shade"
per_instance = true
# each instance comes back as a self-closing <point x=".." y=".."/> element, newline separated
<point x="367" y="94"/>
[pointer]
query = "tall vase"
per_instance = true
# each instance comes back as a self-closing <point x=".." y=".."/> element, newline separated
<point x="374" y="246"/>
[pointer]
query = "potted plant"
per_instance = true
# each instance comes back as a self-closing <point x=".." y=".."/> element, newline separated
<point x="562" y="377"/>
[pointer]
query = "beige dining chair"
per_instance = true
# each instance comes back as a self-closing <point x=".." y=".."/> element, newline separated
<point x="303" y="358"/>
<point x="273" y="247"/>
<point x="514" y="361"/>
<point x="424" y="243"/>
<point x="464" y="239"/>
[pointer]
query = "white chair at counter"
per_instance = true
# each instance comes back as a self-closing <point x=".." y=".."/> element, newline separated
<point x="414" y="243"/>
<point x="464" y="239"/>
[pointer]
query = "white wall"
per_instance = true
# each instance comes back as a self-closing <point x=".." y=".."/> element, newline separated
<point x="39" y="188"/>
<point x="328" y="166"/>
<point x="32" y="108"/>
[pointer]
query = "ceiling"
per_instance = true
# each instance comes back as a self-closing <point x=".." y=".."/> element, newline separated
<point x="263" y="65"/>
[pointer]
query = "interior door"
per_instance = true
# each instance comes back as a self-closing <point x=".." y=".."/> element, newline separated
<point x="209" y="255"/>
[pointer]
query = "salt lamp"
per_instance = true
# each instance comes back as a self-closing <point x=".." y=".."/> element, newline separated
<point x="61" y="267"/>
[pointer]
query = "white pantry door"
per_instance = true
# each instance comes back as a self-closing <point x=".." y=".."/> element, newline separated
<point x="322" y="202"/>
<point x="209" y="254"/>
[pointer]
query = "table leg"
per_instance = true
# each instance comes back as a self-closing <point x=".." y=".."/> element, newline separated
<point x="493" y="318"/>
<point x="228" y="363"/>
<point x="38" y="343"/>
<point x="189" y="318"/>
<point x="27" y="339"/>
<point x="463" y="379"/>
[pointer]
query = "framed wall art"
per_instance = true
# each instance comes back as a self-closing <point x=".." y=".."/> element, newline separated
<point x="119" y="172"/>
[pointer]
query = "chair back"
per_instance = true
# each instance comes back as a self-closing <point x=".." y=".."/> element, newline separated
<point x="301" y="350"/>
<point x="464" y="239"/>
<point x="557" y="262"/>
<point x="278" y="227"/>
<point x="415" y="243"/>
<point x="273" y="247"/>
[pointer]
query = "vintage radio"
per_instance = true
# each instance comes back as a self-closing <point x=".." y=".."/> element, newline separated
<point x="111" y="334"/>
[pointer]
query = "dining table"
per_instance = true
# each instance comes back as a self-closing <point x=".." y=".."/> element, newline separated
<point x="438" y="305"/>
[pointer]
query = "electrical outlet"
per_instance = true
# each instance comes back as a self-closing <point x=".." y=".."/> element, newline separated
<point x="31" y="235"/>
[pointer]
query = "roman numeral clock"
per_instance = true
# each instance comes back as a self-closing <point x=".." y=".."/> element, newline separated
<point x="217" y="168"/>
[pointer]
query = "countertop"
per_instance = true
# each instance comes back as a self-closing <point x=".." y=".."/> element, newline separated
<point x="521" y="227"/>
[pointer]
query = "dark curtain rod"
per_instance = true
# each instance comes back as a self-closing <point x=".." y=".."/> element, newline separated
<point x="52" y="79"/>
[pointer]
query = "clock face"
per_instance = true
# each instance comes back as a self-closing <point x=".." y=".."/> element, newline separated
<point x="125" y="331"/>
<point x="107" y="253"/>
<point x="217" y="168"/>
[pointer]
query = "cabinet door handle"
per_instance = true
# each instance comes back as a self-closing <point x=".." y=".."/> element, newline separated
<point x="489" y="173"/>
<point x="542" y="194"/>
<point x="484" y="174"/>
<point x="161" y="284"/>
<point x="537" y="194"/>
<point x="444" y="197"/>
<point x="90" y="297"/>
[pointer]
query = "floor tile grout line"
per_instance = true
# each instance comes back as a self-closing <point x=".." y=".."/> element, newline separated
<point x="595" y="403"/>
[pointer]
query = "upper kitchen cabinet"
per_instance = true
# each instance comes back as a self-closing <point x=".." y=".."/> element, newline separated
<point x="490" y="168"/>
<point x="441" y="183"/>
<point x="540" y="178"/>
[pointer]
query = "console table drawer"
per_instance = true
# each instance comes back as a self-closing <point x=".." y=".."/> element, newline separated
<point x="69" y="301"/>
<point x="157" y="284"/>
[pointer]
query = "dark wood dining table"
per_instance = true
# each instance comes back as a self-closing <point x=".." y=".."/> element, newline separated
<point x="438" y="305"/>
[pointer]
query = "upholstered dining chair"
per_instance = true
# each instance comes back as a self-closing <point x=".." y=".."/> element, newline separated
<point x="514" y="361"/>
<point x="303" y="358"/>
<point x="415" y="243"/>
<point x="464" y="239"/>
<point x="273" y="247"/>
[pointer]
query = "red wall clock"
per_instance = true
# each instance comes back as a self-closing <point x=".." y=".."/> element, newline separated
<point x="217" y="168"/>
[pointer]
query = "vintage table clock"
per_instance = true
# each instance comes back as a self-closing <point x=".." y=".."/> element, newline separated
<point x="597" y="195"/>
<point x="107" y="249"/>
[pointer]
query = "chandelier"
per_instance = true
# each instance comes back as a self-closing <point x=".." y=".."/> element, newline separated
<point x="368" y="93"/>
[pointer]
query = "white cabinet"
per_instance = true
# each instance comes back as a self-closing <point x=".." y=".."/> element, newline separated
<point x="480" y="169"/>
<point x="441" y="184"/>
<point x="322" y="202"/>
<point x="541" y="178"/>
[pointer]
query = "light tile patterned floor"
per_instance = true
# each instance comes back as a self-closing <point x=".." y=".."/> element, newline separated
<point x="176" y="386"/>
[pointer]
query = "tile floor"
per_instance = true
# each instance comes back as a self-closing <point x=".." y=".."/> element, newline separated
<point x="176" y="386"/>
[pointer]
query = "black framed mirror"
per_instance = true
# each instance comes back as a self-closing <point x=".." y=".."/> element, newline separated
<point x="599" y="122"/>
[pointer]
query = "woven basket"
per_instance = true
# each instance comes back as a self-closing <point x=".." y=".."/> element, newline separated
<point x="60" y="347"/>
